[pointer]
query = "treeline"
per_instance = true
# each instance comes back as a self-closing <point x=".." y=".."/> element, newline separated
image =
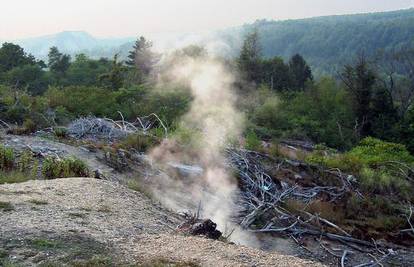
<point x="329" y="42"/>
<point x="281" y="99"/>
<point x="44" y="94"/>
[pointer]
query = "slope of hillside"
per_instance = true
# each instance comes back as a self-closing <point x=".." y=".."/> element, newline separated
<point x="71" y="42"/>
<point x="78" y="219"/>
<point x="327" y="42"/>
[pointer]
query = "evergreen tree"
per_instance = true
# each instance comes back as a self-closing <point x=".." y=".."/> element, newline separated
<point x="300" y="72"/>
<point x="249" y="61"/>
<point x="359" y="81"/>
<point x="140" y="56"/>
<point x="58" y="63"/>
<point x="115" y="77"/>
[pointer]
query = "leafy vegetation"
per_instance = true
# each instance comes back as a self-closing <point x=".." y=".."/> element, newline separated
<point x="6" y="158"/>
<point x="63" y="168"/>
<point x="380" y="167"/>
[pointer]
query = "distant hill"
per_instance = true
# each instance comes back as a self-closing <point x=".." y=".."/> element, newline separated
<point x="326" y="42"/>
<point x="329" y="42"/>
<point x="72" y="42"/>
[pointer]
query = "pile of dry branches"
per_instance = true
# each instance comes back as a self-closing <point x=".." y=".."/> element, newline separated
<point x="108" y="129"/>
<point x="263" y="196"/>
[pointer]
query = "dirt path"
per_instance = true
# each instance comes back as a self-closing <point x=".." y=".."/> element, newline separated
<point x="74" y="219"/>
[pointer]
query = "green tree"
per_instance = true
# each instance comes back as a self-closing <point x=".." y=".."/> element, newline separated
<point x="275" y="74"/>
<point x="141" y="59"/>
<point x="12" y="56"/>
<point x="58" y="63"/>
<point x="86" y="71"/>
<point x="359" y="80"/>
<point x="249" y="60"/>
<point x="115" y="77"/>
<point x="30" y="77"/>
<point x="300" y="72"/>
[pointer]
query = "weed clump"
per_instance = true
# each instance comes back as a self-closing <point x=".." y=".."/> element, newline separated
<point x="60" y="132"/>
<point x="63" y="168"/>
<point x="6" y="158"/>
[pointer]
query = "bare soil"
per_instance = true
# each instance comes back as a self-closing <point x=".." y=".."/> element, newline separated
<point x="77" y="219"/>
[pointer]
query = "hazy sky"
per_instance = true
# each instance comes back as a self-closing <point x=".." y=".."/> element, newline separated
<point x="23" y="18"/>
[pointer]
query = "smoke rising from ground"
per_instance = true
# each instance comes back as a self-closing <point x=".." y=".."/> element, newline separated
<point x="211" y="122"/>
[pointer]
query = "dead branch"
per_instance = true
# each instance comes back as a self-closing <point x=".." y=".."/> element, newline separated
<point x="343" y="258"/>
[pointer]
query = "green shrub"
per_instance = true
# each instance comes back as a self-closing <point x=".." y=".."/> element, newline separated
<point x="374" y="152"/>
<point x="62" y="168"/>
<point x="60" y="132"/>
<point x="25" y="161"/>
<point x="6" y="158"/>
<point x="29" y="125"/>
<point x="252" y="141"/>
<point x="377" y="165"/>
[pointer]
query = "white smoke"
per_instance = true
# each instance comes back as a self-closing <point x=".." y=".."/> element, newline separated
<point x="212" y="120"/>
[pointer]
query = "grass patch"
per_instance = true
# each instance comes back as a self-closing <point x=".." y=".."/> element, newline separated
<point x="6" y="206"/>
<point x="11" y="177"/>
<point x="64" y="168"/>
<point x="44" y="244"/>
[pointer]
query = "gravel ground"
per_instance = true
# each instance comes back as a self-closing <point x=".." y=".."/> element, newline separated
<point x="66" y="220"/>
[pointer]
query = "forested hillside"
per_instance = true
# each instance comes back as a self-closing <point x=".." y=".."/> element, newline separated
<point x="329" y="42"/>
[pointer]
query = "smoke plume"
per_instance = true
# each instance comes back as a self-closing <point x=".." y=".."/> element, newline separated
<point x="211" y="122"/>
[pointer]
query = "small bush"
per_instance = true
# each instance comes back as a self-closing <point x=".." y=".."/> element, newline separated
<point x="252" y="141"/>
<point x="68" y="167"/>
<point x="30" y="126"/>
<point x="25" y="161"/>
<point x="60" y="132"/>
<point x="6" y="158"/>
<point x="374" y="152"/>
